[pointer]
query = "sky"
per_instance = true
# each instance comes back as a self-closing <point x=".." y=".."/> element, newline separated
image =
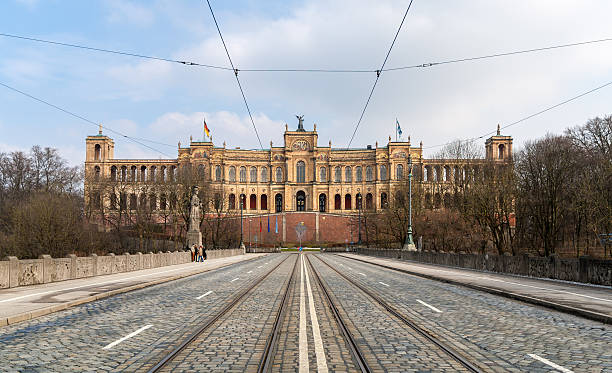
<point x="166" y="102"/>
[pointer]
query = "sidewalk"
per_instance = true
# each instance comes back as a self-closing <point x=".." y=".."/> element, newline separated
<point x="590" y="301"/>
<point x="27" y="302"/>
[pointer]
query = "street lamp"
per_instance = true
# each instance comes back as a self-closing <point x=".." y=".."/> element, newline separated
<point x="241" y="232"/>
<point x="409" y="243"/>
<point x="359" y="219"/>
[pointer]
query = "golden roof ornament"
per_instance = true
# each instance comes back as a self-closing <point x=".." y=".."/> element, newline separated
<point x="100" y="129"/>
<point x="498" y="129"/>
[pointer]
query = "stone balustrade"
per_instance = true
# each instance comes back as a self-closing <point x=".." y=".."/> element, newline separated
<point x="583" y="269"/>
<point x="45" y="269"/>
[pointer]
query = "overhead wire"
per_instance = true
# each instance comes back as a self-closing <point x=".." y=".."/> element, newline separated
<point x="235" y="73"/>
<point x="133" y="139"/>
<point x="528" y="116"/>
<point x="188" y="63"/>
<point x="378" y="72"/>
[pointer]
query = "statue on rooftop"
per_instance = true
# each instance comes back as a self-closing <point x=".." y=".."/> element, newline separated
<point x="300" y="122"/>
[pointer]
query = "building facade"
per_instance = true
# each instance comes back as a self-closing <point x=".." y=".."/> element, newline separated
<point x="300" y="175"/>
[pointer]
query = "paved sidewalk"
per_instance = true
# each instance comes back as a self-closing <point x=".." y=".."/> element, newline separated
<point x="27" y="302"/>
<point x="593" y="302"/>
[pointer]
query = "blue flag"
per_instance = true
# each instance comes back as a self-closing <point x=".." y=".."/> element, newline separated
<point x="276" y="229"/>
<point x="268" y="223"/>
<point x="399" y="129"/>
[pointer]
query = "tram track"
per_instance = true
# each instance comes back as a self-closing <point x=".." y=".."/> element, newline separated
<point x="447" y="350"/>
<point x="235" y="302"/>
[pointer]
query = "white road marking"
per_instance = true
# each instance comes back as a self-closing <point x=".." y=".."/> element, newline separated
<point x="316" y="333"/>
<point x="259" y="266"/>
<point x="205" y="294"/>
<point x="250" y="272"/>
<point x="303" y="338"/>
<point x="382" y="283"/>
<point x="548" y="362"/>
<point x="362" y="274"/>
<point x="89" y="285"/>
<point x="516" y="283"/>
<point x="237" y="278"/>
<point x="111" y="345"/>
<point x="428" y="305"/>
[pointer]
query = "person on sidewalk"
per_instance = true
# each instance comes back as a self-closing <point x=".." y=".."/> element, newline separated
<point x="200" y="254"/>
<point x="204" y="252"/>
<point x="193" y="253"/>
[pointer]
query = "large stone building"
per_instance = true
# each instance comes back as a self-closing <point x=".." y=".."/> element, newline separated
<point x="300" y="175"/>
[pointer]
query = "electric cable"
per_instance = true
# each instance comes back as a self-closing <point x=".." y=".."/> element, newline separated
<point x="528" y="116"/>
<point x="188" y="63"/>
<point x="378" y="72"/>
<point x="134" y="139"/>
<point x="235" y="74"/>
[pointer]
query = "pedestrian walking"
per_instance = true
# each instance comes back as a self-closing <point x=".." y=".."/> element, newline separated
<point x="204" y="251"/>
<point x="200" y="254"/>
<point x="193" y="252"/>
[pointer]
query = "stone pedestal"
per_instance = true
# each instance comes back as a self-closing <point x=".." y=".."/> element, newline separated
<point x="194" y="238"/>
<point x="409" y="247"/>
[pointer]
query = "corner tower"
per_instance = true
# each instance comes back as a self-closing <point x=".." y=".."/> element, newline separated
<point x="99" y="148"/>
<point x="498" y="147"/>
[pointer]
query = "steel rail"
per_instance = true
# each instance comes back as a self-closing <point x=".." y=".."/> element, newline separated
<point x="392" y="310"/>
<point x="352" y="344"/>
<point x="268" y="354"/>
<point x="235" y="301"/>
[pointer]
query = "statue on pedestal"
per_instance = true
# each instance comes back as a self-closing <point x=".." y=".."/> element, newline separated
<point x="194" y="236"/>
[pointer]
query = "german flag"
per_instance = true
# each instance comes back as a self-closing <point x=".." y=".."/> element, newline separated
<point x="206" y="130"/>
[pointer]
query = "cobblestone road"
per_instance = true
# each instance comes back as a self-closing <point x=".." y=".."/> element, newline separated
<point x="506" y="331"/>
<point x="133" y="331"/>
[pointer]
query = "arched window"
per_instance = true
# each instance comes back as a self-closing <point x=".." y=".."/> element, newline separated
<point x="347" y="202"/>
<point x="348" y="175"/>
<point x="279" y="175"/>
<point x="369" y="201"/>
<point x="500" y="152"/>
<point x="243" y="174"/>
<point x="399" y="172"/>
<point x="369" y="174"/>
<point x="253" y="175"/>
<point x="253" y="202"/>
<point x="201" y="172"/>
<point x="217" y="173"/>
<point x="263" y="202"/>
<point x="123" y="174"/>
<point x="384" y="202"/>
<point x="446" y="176"/>
<point x="97" y="151"/>
<point x="232" y="173"/>
<point x="232" y="201"/>
<point x="172" y="174"/>
<point x="301" y="172"/>
<point x="143" y="174"/>
<point x="113" y="201"/>
<point x="427" y="173"/>
<point x="162" y="174"/>
<point x="322" y="202"/>
<point x="383" y="172"/>
<point x="337" y="174"/>
<point x="300" y="201"/>
<point x="264" y="175"/>
<point x="337" y="202"/>
<point x="97" y="173"/>
<point x="114" y="173"/>
<point x="358" y="174"/>
<point x="278" y="202"/>
<point x="153" y="173"/>
<point x="323" y="174"/>
<point x="133" y="173"/>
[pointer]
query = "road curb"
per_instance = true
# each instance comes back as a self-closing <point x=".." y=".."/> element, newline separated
<point x="10" y="320"/>
<point x="591" y="315"/>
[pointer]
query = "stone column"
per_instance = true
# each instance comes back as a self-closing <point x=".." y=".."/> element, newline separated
<point x="13" y="271"/>
<point x="47" y="262"/>
<point x="73" y="265"/>
<point x="94" y="258"/>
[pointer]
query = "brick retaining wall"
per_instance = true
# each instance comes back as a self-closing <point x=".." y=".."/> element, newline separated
<point x="15" y="272"/>
<point x="584" y="269"/>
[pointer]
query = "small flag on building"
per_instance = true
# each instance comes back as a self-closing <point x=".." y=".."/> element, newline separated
<point x="268" y="223"/>
<point x="276" y="228"/>
<point x="206" y="130"/>
<point x="398" y="128"/>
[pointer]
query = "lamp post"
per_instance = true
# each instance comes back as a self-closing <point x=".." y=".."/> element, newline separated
<point x="409" y="243"/>
<point x="241" y="231"/>
<point x="359" y="219"/>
